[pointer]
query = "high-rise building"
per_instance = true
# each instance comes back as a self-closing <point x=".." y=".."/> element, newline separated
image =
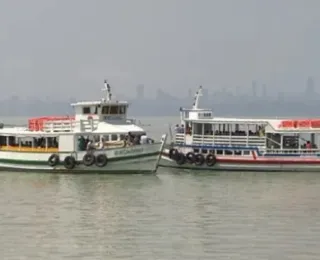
<point x="140" y="91"/>
<point x="310" y="88"/>
<point x="254" y="88"/>
<point x="264" y="90"/>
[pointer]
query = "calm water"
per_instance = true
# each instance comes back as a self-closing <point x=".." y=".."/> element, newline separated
<point x="174" y="215"/>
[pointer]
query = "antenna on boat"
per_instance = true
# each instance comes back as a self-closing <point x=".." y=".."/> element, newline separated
<point x="196" y="98"/>
<point x="107" y="89"/>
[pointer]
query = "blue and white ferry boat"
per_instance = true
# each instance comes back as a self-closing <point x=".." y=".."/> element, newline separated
<point x="203" y="141"/>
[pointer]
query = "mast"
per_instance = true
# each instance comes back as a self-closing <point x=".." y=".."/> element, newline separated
<point x="107" y="89"/>
<point x="196" y="98"/>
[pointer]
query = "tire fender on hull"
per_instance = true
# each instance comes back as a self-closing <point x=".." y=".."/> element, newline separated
<point x="199" y="159"/>
<point x="69" y="162"/>
<point x="53" y="160"/>
<point x="211" y="160"/>
<point x="88" y="159"/>
<point x="101" y="160"/>
<point x="181" y="159"/>
<point x="173" y="153"/>
<point x="191" y="157"/>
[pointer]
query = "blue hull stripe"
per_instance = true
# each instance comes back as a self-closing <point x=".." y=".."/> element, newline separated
<point x="244" y="148"/>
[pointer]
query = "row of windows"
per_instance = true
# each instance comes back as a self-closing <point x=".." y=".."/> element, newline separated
<point x="105" y="110"/>
<point x="222" y="152"/>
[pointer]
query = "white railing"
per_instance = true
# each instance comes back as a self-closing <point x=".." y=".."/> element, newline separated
<point x="293" y="151"/>
<point x="224" y="140"/>
<point x="70" y="125"/>
<point x="59" y="126"/>
<point x="179" y="138"/>
<point x="88" y="125"/>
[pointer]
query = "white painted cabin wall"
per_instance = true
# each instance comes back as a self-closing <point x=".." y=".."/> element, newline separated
<point x="67" y="143"/>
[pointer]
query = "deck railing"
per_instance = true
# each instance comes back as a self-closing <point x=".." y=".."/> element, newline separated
<point x="69" y="125"/>
<point x="222" y="140"/>
<point x="293" y="151"/>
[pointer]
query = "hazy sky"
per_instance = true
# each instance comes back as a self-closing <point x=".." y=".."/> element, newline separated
<point x="67" y="47"/>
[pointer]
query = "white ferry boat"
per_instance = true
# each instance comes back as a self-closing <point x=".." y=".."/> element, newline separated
<point x="99" y="138"/>
<point x="203" y="141"/>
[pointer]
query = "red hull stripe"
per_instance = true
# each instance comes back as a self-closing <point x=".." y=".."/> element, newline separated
<point x="266" y="161"/>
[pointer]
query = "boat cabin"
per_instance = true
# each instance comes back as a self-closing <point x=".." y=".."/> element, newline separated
<point x="200" y="129"/>
<point x="105" y="120"/>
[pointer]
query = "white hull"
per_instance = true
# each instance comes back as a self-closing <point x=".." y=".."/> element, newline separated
<point x="137" y="159"/>
<point x="141" y="165"/>
<point x="248" y="164"/>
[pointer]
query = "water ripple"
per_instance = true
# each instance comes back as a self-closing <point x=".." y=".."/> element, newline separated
<point x="169" y="216"/>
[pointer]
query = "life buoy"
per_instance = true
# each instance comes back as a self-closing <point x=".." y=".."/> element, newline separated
<point x="88" y="159"/>
<point x="101" y="160"/>
<point x="53" y="160"/>
<point x="211" y="160"/>
<point x="69" y="162"/>
<point x="180" y="158"/>
<point x="89" y="117"/>
<point x="199" y="159"/>
<point x="191" y="157"/>
<point x="173" y="153"/>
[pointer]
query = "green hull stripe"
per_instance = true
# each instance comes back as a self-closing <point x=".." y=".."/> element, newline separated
<point x="26" y="162"/>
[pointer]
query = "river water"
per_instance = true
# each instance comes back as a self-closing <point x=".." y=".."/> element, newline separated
<point x="172" y="215"/>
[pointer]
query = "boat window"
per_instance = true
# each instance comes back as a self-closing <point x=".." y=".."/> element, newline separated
<point x="246" y="152"/>
<point x="86" y="110"/>
<point x="197" y="129"/>
<point x="114" y="110"/>
<point x="122" y="137"/>
<point x="3" y="140"/>
<point x="122" y="110"/>
<point x="106" y="138"/>
<point x="208" y="130"/>
<point x="12" y="141"/>
<point x="114" y="137"/>
<point x="105" y="110"/>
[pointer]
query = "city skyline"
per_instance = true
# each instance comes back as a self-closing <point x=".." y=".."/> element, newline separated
<point x="257" y="101"/>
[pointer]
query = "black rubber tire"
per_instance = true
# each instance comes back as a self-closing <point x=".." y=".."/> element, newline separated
<point x="199" y="160"/>
<point x="173" y="154"/>
<point x="88" y="159"/>
<point x="53" y="160"/>
<point x="101" y="160"/>
<point x="191" y="157"/>
<point x="181" y="159"/>
<point x="211" y="160"/>
<point x="69" y="162"/>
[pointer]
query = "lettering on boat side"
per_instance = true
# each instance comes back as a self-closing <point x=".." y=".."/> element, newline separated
<point x="128" y="151"/>
<point x="309" y="123"/>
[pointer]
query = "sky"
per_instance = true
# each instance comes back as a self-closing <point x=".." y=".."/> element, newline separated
<point x="66" y="48"/>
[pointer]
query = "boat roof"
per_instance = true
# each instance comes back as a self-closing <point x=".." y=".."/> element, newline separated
<point x="99" y="102"/>
<point x="103" y="128"/>
<point x="231" y="120"/>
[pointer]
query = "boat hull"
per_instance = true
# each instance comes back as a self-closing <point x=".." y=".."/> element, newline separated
<point x="250" y="163"/>
<point x="138" y="159"/>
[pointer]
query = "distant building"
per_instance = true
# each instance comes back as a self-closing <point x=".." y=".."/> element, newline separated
<point x="310" y="87"/>
<point x="254" y="88"/>
<point x="140" y="92"/>
<point x="264" y="90"/>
